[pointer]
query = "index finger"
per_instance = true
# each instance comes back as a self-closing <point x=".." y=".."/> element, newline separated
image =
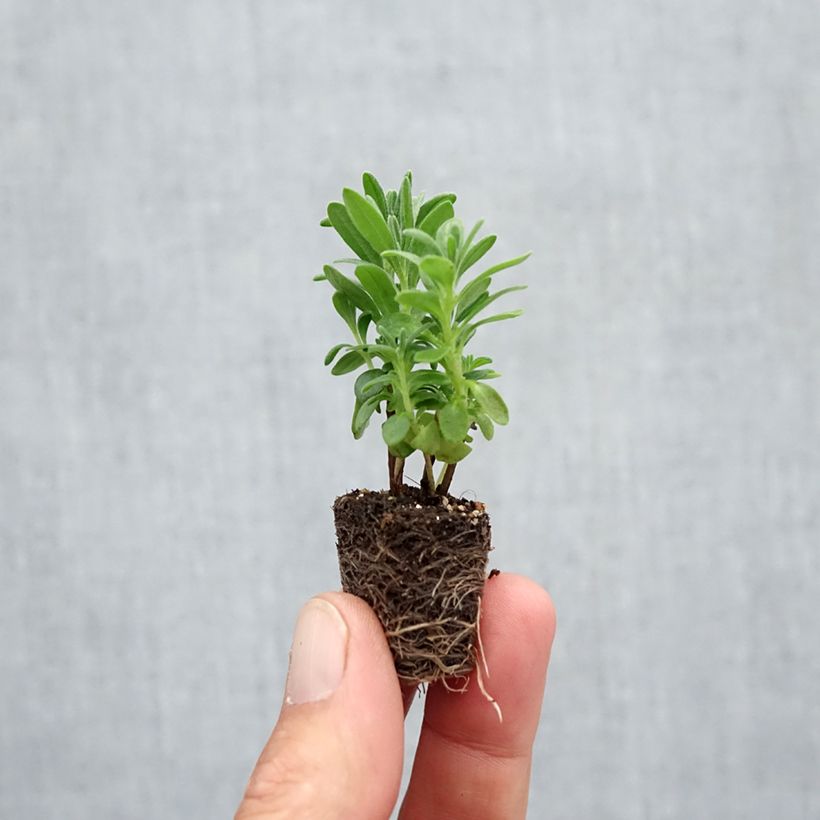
<point x="468" y="764"/>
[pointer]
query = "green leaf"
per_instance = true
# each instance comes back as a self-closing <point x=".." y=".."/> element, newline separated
<point x="340" y="219"/>
<point x="485" y="299"/>
<point x="471" y="236"/>
<point x="509" y="263"/>
<point x="384" y="352"/>
<point x="395" y="429"/>
<point x="451" y="453"/>
<point x="422" y="241"/>
<point x="428" y="438"/>
<point x="325" y="223"/>
<point x="490" y="401"/>
<point x="425" y="302"/>
<point x="395" y="230"/>
<point x="392" y="202"/>
<point x="431" y="203"/>
<point x="332" y="353"/>
<point x="368" y="221"/>
<point x="373" y="188"/>
<point x="379" y="286"/>
<point x="362" y="324"/>
<point x="392" y="256"/>
<point x="479" y="375"/>
<point x="437" y="270"/>
<point x="485" y="424"/>
<point x="355" y="293"/>
<point x="362" y="411"/>
<point x="369" y="383"/>
<point x="320" y="277"/>
<point x="437" y="217"/>
<point x="475" y="306"/>
<point x="420" y="379"/>
<point x="476" y="252"/>
<point x="498" y="317"/>
<point x="472" y="362"/>
<point x="398" y="324"/>
<point x="454" y="422"/>
<point x="430" y="354"/>
<point x="351" y="361"/>
<point x="406" y="203"/>
<point x="345" y="309"/>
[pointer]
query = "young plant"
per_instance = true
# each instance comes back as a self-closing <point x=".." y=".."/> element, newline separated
<point x="412" y="309"/>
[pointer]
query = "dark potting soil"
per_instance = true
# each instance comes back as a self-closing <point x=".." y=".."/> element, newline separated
<point x="420" y="562"/>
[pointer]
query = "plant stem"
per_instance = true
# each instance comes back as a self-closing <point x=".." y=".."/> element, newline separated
<point x="428" y="480"/>
<point x="395" y="467"/>
<point x="446" y="479"/>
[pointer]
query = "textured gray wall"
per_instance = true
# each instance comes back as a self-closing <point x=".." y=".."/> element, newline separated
<point x="170" y="443"/>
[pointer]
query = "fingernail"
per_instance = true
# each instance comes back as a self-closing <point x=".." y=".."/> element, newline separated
<point x="317" y="656"/>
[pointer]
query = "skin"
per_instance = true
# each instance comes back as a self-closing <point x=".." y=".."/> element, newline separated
<point x="341" y="757"/>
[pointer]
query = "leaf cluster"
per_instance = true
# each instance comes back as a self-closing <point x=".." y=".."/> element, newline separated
<point x="412" y="309"/>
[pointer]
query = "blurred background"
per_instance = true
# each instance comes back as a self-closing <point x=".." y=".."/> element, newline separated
<point x="170" y="443"/>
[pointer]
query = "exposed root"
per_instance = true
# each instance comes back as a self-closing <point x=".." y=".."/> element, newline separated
<point x="420" y="563"/>
<point x="490" y="698"/>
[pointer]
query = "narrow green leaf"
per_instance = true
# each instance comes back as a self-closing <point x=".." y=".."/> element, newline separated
<point x="422" y="242"/>
<point x="471" y="362"/>
<point x="379" y="286"/>
<point x="371" y="382"/>
<point x="490" y="401"/>
<point x="437" y="217"/>
<point x="509" y="263"/>
<point x="406" y="203"/>
<point x="430" y="354"/>
<point x="468" y="311"/>
<point x="384" y="352"/>
<point x="362" y="411"/>
<point x="454" y="422"/>
<point x="468" y="242"/>
<point x="485" y="424"/>
<point x="331" y="354"/>
<point x="478" y="375"/>
<point x="476" y="252"/>
<point x="345" y="309"/>
<point x="439" y="270"/>
<point x="352" y="360"/>
<point x="373" y="188"/>
<point x="395" y="429"/>
<point x="368" y="221"/>
<point x="347" y="260"/>
<point x="427" y="379"/>
<point x="395" y="230"/>
<point x="340" y="219"/>
<point x="397" y="257"/>
<point x="326" y="223"/>
<point x="355" y="293"/>
<point x="431" y="203"/>
<point x="498" y="317"/>
<point x="320" y="277"/>
<point x="392" y="202"/>
<point x="467" y="297"/>
<point x="362" y="325"/>
<point x="425" y="302"/>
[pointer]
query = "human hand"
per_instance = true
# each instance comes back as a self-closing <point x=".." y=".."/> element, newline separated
<point x="336" y="750"/>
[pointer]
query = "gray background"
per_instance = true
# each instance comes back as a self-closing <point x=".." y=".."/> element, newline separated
<point x="170" y="443"/>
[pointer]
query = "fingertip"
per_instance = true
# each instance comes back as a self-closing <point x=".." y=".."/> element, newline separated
<point x="522" y="604"/>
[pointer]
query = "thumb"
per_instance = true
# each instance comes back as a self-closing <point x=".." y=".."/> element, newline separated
<point x="336" y="750"/>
